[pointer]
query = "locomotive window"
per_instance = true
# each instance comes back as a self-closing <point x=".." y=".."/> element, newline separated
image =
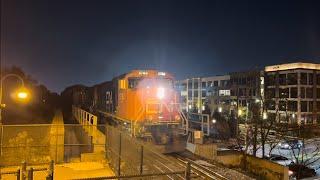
<point x="133" y="82"/>
<point x="149" y="82"/>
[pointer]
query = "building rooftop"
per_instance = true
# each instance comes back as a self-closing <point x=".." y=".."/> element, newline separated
<point x="298" y="65"/>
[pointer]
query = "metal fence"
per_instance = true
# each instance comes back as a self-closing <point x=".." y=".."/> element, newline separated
<point x="38" y="145"/>
<point x="24" y="172"/>
<point x="41" y="143"/>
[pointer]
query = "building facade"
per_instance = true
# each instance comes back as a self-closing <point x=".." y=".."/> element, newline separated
<point x="194" y="91"/>
<point x="293" y="92"/>
<point x="246" y="87"/>
<point x="289" y="92"/>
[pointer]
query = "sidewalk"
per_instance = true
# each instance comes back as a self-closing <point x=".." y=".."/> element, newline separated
<point x="82" y="170"/>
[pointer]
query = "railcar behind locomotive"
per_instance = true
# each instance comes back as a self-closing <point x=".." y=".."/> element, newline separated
<point x="146" y="101"/>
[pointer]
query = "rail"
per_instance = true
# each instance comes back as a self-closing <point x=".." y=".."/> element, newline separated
<point x="199" y="169"/>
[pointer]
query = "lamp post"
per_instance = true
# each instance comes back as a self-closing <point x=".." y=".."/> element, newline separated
<point x="21" y="95"/>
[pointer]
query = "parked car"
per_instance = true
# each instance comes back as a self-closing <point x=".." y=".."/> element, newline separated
<point x="280" y="160"/>
<point x="291" y="144"/>
<point x="301" y="171"/>
<point x="235" y="147"/>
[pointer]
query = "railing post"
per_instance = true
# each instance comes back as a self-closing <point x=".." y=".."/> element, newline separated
<point x="30" y="174"/>
<point x="50" y="171"/>
<point x="23" y="170"/>
<point x="18" y="174"/>
<point x="106" y="140"/>
<point x="141" y="160"/>
<point x="188" y="171"/>
<point x="119" y="156"/>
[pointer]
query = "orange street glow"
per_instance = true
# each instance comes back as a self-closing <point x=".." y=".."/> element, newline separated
<point x="22" y="95"/>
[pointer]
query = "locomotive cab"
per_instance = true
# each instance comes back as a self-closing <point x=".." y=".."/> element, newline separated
<point x="148" y="101"/>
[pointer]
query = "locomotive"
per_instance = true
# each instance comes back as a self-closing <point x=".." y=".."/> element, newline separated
<point x="143" y="101"/>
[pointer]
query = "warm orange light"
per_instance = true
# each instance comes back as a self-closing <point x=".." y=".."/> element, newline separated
<point x="22" y="95"/>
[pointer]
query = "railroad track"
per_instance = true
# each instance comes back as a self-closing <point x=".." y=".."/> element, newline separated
<point x="201" y="170"/>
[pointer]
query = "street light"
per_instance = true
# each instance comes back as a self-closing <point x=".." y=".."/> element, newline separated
<point x="21" y="93"/>
<point x="219" y="109"/>
<point x="214" y="121"/>
<point x="264" y="115"/>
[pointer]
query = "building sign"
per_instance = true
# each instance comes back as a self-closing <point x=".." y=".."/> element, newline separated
<point x="224" y="92"/>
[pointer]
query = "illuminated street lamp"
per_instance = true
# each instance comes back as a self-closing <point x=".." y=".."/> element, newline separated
<point x="264" y="115"/>
<point x="239" y="112"/>
<point x="219" y="109"/>
<point x="21" y="94"/>
<point x="214" y="121"/>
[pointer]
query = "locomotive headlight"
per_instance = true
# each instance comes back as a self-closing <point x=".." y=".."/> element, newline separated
<point x="160" y="92"/>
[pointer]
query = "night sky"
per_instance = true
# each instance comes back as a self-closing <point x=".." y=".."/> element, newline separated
<point x="66" y="42"/>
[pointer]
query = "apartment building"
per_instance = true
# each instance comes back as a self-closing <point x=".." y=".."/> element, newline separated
<point x="293" y="92"/>
<point x="194" y="91"/>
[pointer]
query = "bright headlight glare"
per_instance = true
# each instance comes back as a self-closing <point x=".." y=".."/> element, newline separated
<point x="160" y="92"/>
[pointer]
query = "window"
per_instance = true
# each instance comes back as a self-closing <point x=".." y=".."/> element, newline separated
<point x="242" y="91"/>
<point x="270" y="105"/>
<point x="309" y="92"/>
<point x="215" y="83"/>
<point x="303" y="92"/>
<point x="318" y="93"/>
<point x="304" y="106"/>
<point x="233" y="92"/>
<point x="284" y="93"/>
<point x="254" y="92"/>
<point x="243" y="81"/>
<point x="184" y="86"/>
<point x="293" y="92"/>
<point x="209" y="83"/>
<point x="310" y="106"/>
<point x="204" y="93"/>
<point x="270" y="93"/>
<point x="310" y="77"/>
<point x="282" y="106"/>
<point x="184" y="99"/>
<point x="190" y="84"/>
<point x="292" y="79"/>
<point x="270" y="80"/>
<point x="303" y="78"/>
<point x="195" y="94"/>
<point x="133" y="82"/>
<point x="318" y="79"/>
<point x="282" y="79"/>
<point x="318" y="105"/>
<point x="195" y="85"/>
<point x="190" y="93"/>
<point x="223" y="83"/>
<point x="292" y="106"/>
<point x="203" y="85"/>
